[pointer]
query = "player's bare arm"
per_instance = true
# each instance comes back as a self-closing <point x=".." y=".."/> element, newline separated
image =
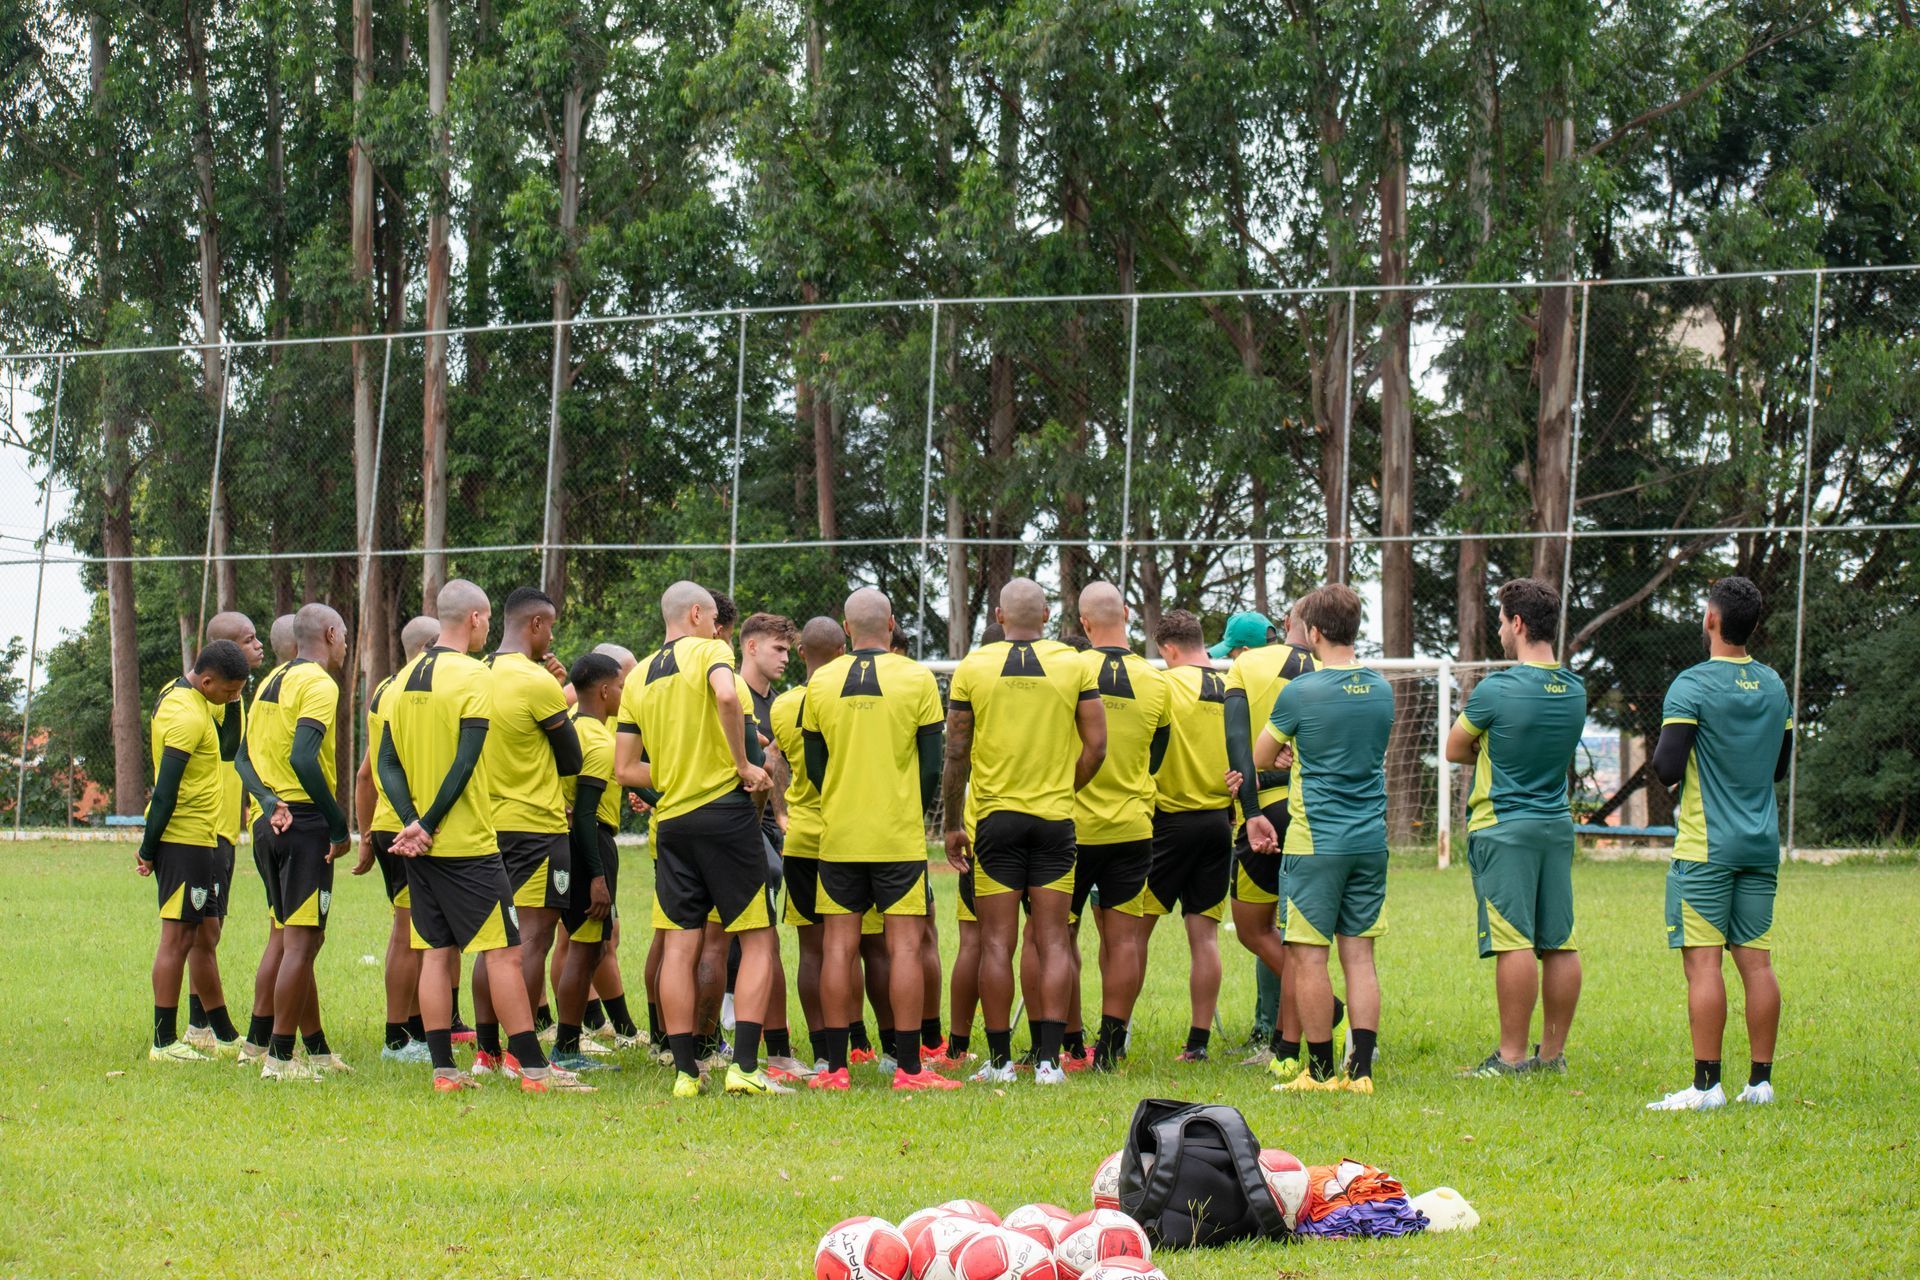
<point x="1090" y="718"/>
<point x="953" y="786"/>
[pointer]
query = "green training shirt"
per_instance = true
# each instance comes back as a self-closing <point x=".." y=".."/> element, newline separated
<point x="1338" y="719"/>
<point x="1529" y="719"/>
<point x="1727" y="812"/>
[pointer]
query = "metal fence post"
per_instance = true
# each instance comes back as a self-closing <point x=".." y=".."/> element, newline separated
<point x="1443" y="816"/>
<point x="552" y="514"/>
<point x="739" y="422"/>
<point x="213" y="485"/>
<point x="1126" y="471"/>
<point x="1573" y="473"/>
<point x="926" y="487"/>
<point x="373" y="508"/>
<point x="1800" y="604"/>
<point x="1344" y="542"/>
<point x="39" y="588"/>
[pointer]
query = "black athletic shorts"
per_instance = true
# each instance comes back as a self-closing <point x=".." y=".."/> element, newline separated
<point x="1118" y="871"/>
<point x="1192" y="863"/>
<point x="185" y="875"/>
<point x="393" y="867"/>
<point x="301" y="888"/>
<point x="892" y="888"/>
<point x="1015" y="852"/>
<point x="573" y="917"/>
<point x="712" y="859"/>
<point x="263" y="864"/>
<point x="1256" y="876"/>
<point x="223" y="862"/>
<point x="539" y="867"/>
<point x="802" y="877"/>
<point x="461" y="902"/>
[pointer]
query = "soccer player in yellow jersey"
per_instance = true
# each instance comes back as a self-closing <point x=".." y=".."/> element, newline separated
<point x="594" y="799"/>
<point x="181" y="846"/>
<point x="287" y="761"/>
<point x="1014" y="713"/>
<point x="1113" y="814"/>
<point x="209" y="1028"/>
<point x="684" y="713"/>
<point x="406" y="1039"/>
<point x="531" y="746"/>
<point x="1192" y="820"/>
<point x="433" y="770"/>
<point x="872" y="729"/>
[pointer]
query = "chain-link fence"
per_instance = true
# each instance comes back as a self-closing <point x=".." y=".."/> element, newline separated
<point x="1632" y="439"/>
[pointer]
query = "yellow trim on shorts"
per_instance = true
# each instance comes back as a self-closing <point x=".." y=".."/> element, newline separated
<point x="590" y="931"/>
<point x="533" y="890"/>
<point x="172" y="908"/>
<point x="1505" y="937"/>
<point x="1300" y="930"/>
<point x="1695" y="931"/>
<point x="491" y="936"/>
<point x="403" y="900"/>
<point x="1762" y="943"/>
<point x="307" y="913"/>
<point x="1245" y="890"/>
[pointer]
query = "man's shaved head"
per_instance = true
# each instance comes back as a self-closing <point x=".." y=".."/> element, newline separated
<point x="1023" y="604"/>
<point x="620" y="654"/>
<point x="1100" y="604"/>
<point x="280" y="638"/>
<point x="458" y="599"/>
<point x="869" y="614"/>
<point x="311" y="623"/>
<point x="822" y="640"/>
<point x="418" y="634"/>
<point x="680" y="599"/>
<point x="236" y="627"/>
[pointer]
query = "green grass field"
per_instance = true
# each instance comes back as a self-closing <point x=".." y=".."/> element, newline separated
<point x="114" y="1166"/>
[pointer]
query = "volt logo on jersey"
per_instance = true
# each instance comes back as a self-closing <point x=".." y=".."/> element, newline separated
<point x="1021" y="659"/>
<point x="1114" y="680"/>
<point x="664" y="664"/>
<point x="863" y="680"/>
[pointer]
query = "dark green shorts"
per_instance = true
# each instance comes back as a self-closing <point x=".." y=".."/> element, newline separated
<point x="1709" y="905"/>
<point x="1523" y="884"/>
<point x="1333" y="895"/>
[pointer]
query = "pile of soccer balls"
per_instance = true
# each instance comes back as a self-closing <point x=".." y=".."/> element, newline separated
<point x="966" y="1240"/>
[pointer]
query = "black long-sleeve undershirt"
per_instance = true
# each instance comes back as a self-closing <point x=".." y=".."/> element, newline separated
<point x="933" y="758"/>
<point x="584" y="830"/>
<point x="393" y="776"/>
<point x="230" y="735"/>
<point x="308" y="736"/>
<point x="166" y="796"/>
<point x="1240" y="752"/>
<point x="568" y="756"/>
<point x="250" y="779"/>
<point x="1676" y="744"/>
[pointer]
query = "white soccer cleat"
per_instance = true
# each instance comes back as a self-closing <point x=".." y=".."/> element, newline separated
<point x="592" y="1047"/>
<point x="272" y="1068"/>
<point x="1691" y="1099"/>
<point x="990" y="1074"/>
<point x="178" y="1051"/>
<point x="1757" y="1093"/>
<point x="1049" y="1073"/>
<point x="330" y="1064"/>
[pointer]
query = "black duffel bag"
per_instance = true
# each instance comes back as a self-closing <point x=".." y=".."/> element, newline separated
<point x="1190" y="1175"/>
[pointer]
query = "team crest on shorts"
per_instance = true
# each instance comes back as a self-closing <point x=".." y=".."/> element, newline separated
<point x="561" y="879"/>
<point x="199" y="896"/>
<point x="513" y="914"/>
<point x="326" y="901"/>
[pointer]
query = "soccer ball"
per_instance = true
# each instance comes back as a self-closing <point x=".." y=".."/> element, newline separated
<point x="916" y="1222"/>
<point x="1044" y="1222"/>
<point x="1097" y="1236"/>
<point x="1106" y="1183"/>
<point x="932" y="1253"/>
<point x="1121" y="1268"/>
<point x="995" y="1253"/>
<point x="972" y="1209"/>
<point x="861" y="1249"/>
<point x="1286" y="1178"/>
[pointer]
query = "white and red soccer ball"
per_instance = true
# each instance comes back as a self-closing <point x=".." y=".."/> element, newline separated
<point x="1286" y="1179"/>
<point x="1097" y="1236"/>
<point x="918" y="1221"/>
<point x="931" y="1254"/>
<point x="1044" y="1222"/>
<point x="1106" y="1183"/>
<point x="972" y="1209"/>
<point x="1125" y="1269"/>
<point x="995" y="1253"/>
<point x="862" y="1249"/>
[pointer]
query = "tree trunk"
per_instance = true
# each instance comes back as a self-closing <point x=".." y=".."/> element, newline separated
<point x="193" y="40"/>
<point x="280" y="309"/>
<point x="433" y="465"/>
<point x="959" y="582"/>
<point x="365" y="422"/>
<point x="1406" y="792"/>
<point x="1553" y="366"/>
<point x="574" y="110"/>
<point x="1000" y="432"/>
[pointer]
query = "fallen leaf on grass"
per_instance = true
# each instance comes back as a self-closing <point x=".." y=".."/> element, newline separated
<point x="1466" y="1137"/>
<point x="456" y="1248"/>
<point x="905" y="1145"/>
<point x="784" y="1175"/>
<point x="112" y="1074"/>
<point x="836" y="1178"/>
<point x="1806" y="1102"/>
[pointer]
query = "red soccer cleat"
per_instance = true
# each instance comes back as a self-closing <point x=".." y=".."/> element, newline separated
<point x="838" y="1081"/>
<point x="925" y="1081"/>
<point x="859" y="1057"/>
<point x="1081" y="1061"/>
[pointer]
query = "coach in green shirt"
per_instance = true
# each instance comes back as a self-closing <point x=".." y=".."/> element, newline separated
<point x="1519" y="731"/>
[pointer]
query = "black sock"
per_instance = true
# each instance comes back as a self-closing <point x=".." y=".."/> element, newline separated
<point x="929" y="1032"/>
<point x="566" y="1039"/>
<point x="316" y="1044"/>
<point x="280" y="1046"/>
<point x="417" y="1029"/>
<point x="223" y="1028"/>
<point x="815" y="1040"/>
<point x="1320" y="1059"/>
<point x="542" y="1018"/>
<point x="837" y="1045"/>
<point x="779" y="1044"/>
<point x="397" y="1036"/>
<point x="1197" y="1038"/>
<point x="746" y="1046"/>
<point x="957" y="1043"/>
<point x="525" y="1048"/>
<point x="196" y="1012"/>
<point x="440" y="1045"/>
<point x="593" y="1017"/>
<point x="1339" y="1010"/>
<point x="1111" y="1039"/>
<point x="456" y="1004"/>
<point x="888" y="1039"/>
<point x="705" y="1047"/>
<point x="656" y="1029"/>
<point x="857" y="1036"/>
<point x="1360" y="1052"/>
<point x="1760" y="1073"/>
<point x="616" y="1007"/>
<point x="685" y="1060"/>
<point x="1706" y="1073"/>
<point x="1033" y="1035"/>
<point x="166" y="1025"/>
<point x="486" y="1038"/>
<point x="1047" y="1048"/>
<point x="260" y="1029"/>
<point x="1074" y="1043"/>
<point x="906" y="1050"/>
<point x="1284" y="1049"/>
<point x="1000" y="1046"/>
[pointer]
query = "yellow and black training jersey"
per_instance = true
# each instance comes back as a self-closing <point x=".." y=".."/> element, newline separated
<point x="871" y="708"/>
<point x="803" y="802"/>
<point x="298" y="692"/>
<point x="232" y="791"/>
<point x="184" y="726"/>
<point x="596" y="761"/>
<point x="527" y="701"/>
<point x="671" y="707"/>
<point x="1261" y="674"/>
<point x="1117" y="806"/>
<point x="1025" y="697"/>
<point x="1194" y="774"/>
<point x="384" y="818"/>
<point x="429" y="701"/>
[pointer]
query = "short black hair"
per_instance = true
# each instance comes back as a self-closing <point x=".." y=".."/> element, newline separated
<point x="523" y="599"/>
<point x="1535" y="603"/>
<point x="1333" y="610"/>
<point x="1178" y="626"/>
<point x="590" y="669"/>
<point x="992" y="633"/>
<point x="1075" y="641"/>
<point x="725" y="611"/>
<point x="897" y="641"/>
<point x="1739" y="604"/>
<point x="223" y="659"/>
